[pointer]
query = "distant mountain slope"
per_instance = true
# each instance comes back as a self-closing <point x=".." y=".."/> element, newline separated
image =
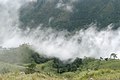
<point x="70" y="14"/>
<point x="22" y="54"/>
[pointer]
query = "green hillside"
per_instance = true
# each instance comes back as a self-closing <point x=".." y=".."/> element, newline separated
<point x="18" y="55"/>
<point x="32" y="66"/>
<point x="84" y="12"/>
<point x="45" y="71"/>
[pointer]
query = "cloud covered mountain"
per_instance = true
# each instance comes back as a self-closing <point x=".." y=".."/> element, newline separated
<point x="24" y="22"/>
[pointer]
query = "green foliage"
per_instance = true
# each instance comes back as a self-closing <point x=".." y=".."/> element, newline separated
<point x="65" y="66"/>
<point x="7" y="67"/>
<point x="91" y="63"/>
<point x="5" y="70"/>
<point x="39" y="58"/>
<point x="40" y="67"/>
<point x="106" y="70"/>
<point x="31" y="68"/>
<point x="113" y="55"/>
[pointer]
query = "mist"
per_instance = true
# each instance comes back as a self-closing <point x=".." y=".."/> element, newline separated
<point x="53" y="43"/>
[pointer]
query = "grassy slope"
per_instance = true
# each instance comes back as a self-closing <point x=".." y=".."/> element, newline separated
<point x="99" y="70"/>
<point x="19" y="55"/>
<point x="7" y="67"/>
<point x="108" y="70"/>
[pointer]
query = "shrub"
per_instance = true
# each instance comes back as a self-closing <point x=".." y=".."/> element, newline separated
<point x="31" y="68"/>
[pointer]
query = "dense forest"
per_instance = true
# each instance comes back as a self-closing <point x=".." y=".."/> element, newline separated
<point x="80" y="14"/>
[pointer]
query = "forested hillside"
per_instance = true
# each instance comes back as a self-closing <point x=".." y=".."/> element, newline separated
<point x="70" y="14"/>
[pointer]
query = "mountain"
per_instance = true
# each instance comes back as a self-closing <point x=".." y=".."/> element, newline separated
<point x="22" y="54"/>
<point x="70" y="14"/>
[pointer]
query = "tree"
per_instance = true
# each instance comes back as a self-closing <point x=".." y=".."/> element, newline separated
<point x="101" y="58"/>
<point x="106" y="59"/>
<point x="113" y="55"/>
<point x="39" y="58"/>
<point x="62" y="66"/>
<point x="77" y="62"/>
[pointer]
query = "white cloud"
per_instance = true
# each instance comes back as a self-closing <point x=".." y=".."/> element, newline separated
<point x="65" y="6"/>
<point x="48" y="41"/>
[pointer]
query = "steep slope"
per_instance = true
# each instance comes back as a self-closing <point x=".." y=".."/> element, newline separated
<point x="70" y="14"/>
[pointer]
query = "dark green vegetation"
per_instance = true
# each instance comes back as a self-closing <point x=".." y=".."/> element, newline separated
<point x="67" y="66"/>
<point x="25" y="55"/>
<point x="29" y="63"/>
<point x="85" y="12"/>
